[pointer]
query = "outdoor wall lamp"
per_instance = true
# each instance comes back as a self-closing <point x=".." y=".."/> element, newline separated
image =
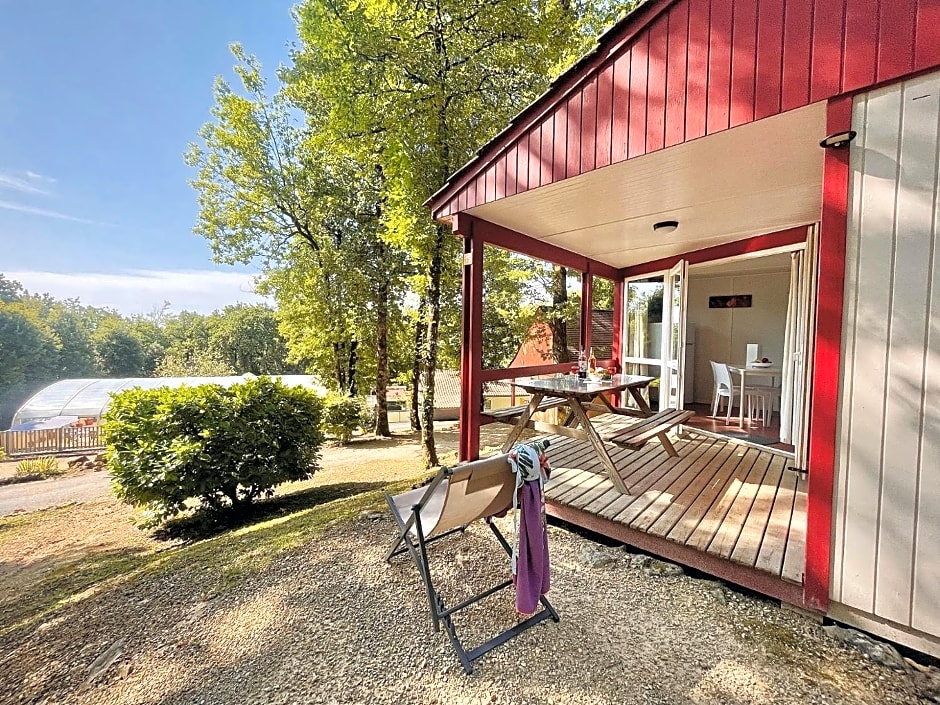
<point x="664" y="227"/>
<point x="838" y="140"/>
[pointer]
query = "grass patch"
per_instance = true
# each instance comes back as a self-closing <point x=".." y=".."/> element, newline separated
<point x="214" y="565"/>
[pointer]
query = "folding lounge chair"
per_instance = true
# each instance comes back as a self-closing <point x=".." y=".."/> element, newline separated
<point x="455" y="498"/>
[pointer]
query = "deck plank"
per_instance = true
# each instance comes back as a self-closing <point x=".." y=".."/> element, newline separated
<point x="726" y="538"/>
<point x="774" y="546"/>
<point x="667" y="519"/>
<point x="695" y="513"/>
<point x="714" y="515"/>
<point x="588" y="481"/>
<point x="732" y="502"/>
<point x="566" y="479"/>
<point x="758" y="518"/>
<point x="645" y="455"/>
<point x="651" y="486"/>
<point x="678" y="479"/>
<point x="794" y="561"/>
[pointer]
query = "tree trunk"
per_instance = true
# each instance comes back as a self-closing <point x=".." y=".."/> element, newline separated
<point x="431" y="346"/>
<point x="557" y="320"/>
<point x="353" y="360"/>
<point x="339" y="365"/>
<point x="381" y="354"/>
<point x="415" y="416"/>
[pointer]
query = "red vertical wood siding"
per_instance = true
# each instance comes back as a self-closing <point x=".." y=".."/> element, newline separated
<point x="501" y="178"/>
<point x="573" y="164"/>
<point x="589" y="126"/>
<point x="769" y="64"/>
<point x="926" y="44"/>
<point x="696" y="95"/>
<point x="512" y="170"/>
<point x="676" y="63"/>
<point x="860" y="44"/>
<point x="797" y="52"/>
<point x="743" y="62"/>
<point x="560" y="144"/>
<point x="896" y="38"/>
<point x="605" y="87"/>
<point x="718" y="111"/>
<point x="639" y="71"/>
<point x="620" y="129"/>
<point x="826" y="69"/>
<point x="689" y="68"/>
<point x="656" y="88"/>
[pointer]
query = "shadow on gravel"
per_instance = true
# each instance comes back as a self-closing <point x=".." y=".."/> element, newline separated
<point x="203" y="524"/>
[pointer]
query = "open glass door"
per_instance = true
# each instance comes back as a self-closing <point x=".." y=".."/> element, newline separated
<point x="674" y="308"/>
<point x="643" y="334"/>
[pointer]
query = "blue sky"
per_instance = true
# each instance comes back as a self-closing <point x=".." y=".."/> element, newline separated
<point x="98" y="101"/>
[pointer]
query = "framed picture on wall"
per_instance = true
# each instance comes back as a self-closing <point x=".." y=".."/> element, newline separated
<point x="735" y="301"/>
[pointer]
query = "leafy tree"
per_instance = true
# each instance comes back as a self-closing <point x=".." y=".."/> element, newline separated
<point x="275" y="190"/>
<point x="76" y="356"/>
<point x="10" y="290"/>
<point x="201" y="363"/>
<point x="225" y="447"/>
<point x="246" y="338"/>
<point x="117" y="352"/>
<point x="425" y="83"/>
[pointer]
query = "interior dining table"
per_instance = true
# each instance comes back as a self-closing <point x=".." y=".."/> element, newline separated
<point x="745" y="371"/>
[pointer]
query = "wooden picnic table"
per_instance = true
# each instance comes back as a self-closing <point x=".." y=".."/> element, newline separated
<point x="581" y="396"/>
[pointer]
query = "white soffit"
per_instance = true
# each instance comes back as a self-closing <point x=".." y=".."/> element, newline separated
<point x="753" y="179"/>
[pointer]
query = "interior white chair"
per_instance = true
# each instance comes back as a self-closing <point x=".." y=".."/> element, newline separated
<point x="758" y="398"/>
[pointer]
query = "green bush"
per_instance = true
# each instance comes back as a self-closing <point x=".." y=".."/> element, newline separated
<point x="342" y="415"/>
<point x="225" y="447"/>
<point x="45" y="466"/>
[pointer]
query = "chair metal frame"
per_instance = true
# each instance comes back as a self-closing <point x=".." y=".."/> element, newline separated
<point x="416" y="546"/>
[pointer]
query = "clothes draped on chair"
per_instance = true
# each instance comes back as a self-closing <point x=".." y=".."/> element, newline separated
<point x="456" y="497"/>
<point x="530" y="561"/>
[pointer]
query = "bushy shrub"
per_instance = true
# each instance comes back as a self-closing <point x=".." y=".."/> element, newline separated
<point x="45" y="466"/>
<point x="342" y="415"/>
<point x="224" y="446"/>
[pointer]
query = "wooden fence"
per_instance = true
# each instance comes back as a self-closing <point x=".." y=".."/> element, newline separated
<point x="52" y="441"/>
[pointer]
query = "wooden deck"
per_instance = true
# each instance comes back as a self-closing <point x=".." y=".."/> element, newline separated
<point x="729" y="510"/>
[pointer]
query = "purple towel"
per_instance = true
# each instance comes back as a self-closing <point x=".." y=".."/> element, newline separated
<point x="532" y="569"/>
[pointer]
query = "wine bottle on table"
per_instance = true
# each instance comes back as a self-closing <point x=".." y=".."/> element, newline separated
<point x="582" y="365"/>
<point x="592" y="362"/>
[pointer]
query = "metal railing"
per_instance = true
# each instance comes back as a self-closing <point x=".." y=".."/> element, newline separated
<point x="52" y="441"/>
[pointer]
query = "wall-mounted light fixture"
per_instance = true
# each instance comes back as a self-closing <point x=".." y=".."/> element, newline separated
<point x="664" y="227"/>
<point x="838" y="140"/>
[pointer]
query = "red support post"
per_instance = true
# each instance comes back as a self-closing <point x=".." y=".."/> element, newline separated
<point x="824" y="402"/>
<point x="471" y="349"/>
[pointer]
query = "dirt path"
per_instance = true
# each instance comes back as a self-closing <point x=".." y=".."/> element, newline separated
<point x="43" y="494"/>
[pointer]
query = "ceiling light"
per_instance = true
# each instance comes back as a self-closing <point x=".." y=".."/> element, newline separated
<point x="664" y="227"/>
<point x="838" y="140"/>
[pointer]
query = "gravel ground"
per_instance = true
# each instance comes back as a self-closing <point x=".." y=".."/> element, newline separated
<point x="331" y="623"/>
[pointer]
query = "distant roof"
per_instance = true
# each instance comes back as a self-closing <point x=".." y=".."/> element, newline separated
<point x="91" y="397"/>
<point x="536" y="349"/>
<point x="447" y="389"/>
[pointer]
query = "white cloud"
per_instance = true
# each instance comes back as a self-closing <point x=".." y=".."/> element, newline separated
<point x="142" y="291"/>
<point x="39" y="177"/>
<point x="27" y="183"/>
<point x="10" y="206"/>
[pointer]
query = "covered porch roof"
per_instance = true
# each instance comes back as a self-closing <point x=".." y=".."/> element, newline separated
<point x="757" y="178"/>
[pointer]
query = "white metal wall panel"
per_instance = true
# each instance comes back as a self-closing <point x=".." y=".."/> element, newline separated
<point x="886" y="542"/>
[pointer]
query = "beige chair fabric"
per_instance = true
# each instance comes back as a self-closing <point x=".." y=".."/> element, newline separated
<point x="476" y="490"/>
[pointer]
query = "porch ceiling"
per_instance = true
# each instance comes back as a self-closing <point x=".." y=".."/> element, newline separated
<point x="757" y="178"/>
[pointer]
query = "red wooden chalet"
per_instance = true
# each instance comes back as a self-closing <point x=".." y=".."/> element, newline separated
<point x="708" y="116"/>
